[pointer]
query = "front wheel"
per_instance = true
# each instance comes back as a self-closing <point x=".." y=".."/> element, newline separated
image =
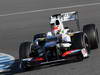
<point x="24" y="52"/>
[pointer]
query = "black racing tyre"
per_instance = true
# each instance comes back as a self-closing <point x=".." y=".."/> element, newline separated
<point x="80" y="41"/>
<point x="24" y="52"/>
<point x="92" y="34"/>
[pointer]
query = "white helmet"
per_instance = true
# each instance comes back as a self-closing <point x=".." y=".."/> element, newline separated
<point x="56" y="27"/>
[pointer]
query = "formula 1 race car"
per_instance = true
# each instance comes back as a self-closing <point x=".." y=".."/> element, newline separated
<point x="61" y="43"/>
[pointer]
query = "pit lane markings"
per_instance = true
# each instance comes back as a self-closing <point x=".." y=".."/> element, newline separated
<point x="42" y="10"/>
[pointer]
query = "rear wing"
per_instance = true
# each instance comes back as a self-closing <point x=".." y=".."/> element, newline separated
<point x="68" y="16"/>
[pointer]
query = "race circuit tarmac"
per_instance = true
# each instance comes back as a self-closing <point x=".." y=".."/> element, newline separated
<point x="17" y="28"/>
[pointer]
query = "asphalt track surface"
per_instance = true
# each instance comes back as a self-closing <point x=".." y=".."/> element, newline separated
<point x="17" y="28"/>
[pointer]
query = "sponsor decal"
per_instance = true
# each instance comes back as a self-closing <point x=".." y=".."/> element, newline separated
<point x="84" y="52"/>
<point x="70" y="52"/>
<point x="75" y="51"/>
<point x="39" y="59"/>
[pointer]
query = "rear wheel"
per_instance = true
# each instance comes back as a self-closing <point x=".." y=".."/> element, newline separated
<point x="92" y="35"/>
<point x="24" y="52"/>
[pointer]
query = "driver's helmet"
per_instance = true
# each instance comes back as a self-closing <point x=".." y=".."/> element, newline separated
<point x="55" y="27"/>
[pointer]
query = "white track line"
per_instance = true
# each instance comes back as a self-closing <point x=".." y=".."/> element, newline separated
<point x="42" y="10"/>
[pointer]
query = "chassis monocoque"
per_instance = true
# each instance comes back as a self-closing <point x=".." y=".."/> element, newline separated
<point x="50" y="49"/>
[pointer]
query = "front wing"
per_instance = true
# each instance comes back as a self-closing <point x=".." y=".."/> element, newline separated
<point x="40" y="60"/>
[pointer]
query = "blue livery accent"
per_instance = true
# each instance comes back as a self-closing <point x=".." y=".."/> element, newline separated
<point x="75" y="51"/>
<point x="6" y="61"/>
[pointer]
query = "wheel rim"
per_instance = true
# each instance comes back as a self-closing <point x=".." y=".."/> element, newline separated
<point x="85" y="42"/>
